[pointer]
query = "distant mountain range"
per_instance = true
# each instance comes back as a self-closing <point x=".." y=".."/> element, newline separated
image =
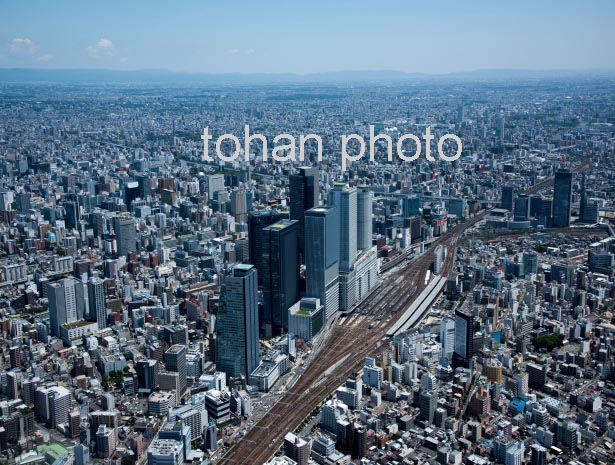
<point x="162" y="76"/>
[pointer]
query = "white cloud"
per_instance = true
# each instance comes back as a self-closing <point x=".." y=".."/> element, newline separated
<point x="104" y="47"/>
<point x="45" y="57"/>
<point x="22" y="46"/>
<point x="239" y="51"/>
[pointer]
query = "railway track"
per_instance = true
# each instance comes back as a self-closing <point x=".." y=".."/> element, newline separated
<point x="352" y="339"/>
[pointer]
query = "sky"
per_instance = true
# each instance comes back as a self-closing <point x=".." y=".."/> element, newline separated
<point x="297" y="36"/>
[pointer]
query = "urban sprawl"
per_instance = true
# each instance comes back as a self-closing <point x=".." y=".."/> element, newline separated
<point x="159" y="309"/>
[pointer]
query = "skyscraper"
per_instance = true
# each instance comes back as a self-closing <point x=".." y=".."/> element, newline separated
<point x="257" y="221"/>
<point x="62" y="304"/>
<point x="508" y="194"/>
<point x="447" y="337"/>
<point x="364" y="218"/>
<point x="72" y="214"/>
<point x="522" y="208"/>
<point x="345" y="199"/>
<point x="464" y="339"/>
<point x="589" y="211"/>
<point x="583" y="203"/>
<point x="322" y="226"/>
<point x="501" y="131"/>
<point x="125" y="235"/>
<point x="303" y="196"/>
<point x="239" y="208"/>
<point x="175" y="361"/>
<point x="410" y="206"/>
<point x="562" y="198"/>
<point x="280" y="274"/>
<point x="215" y="183"/>
<point x="237" y="323"/>
<point x="132" y="190"/>
<point x="96" y="296"/>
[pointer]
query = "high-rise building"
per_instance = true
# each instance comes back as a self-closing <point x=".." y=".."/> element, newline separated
<point x="303" y="196"/>
<point x="410" y="206"/>
<point x="53" y="404"/>
<point x="428" y="402"/>
<point x="215" y="183"/>
<point x="147" y="375"/>
<point x="132" y="191"/>
<point x="537" y="375"/>
<point x="365" y="199"/>
<point x="589" y="210"/>
<point x="175" y="361"/>
<point x="23" y="202"/>
<point x="522" y="208"/>
<point x="540" y="208"/>
<point x="508" y="194"/>
<point x="464" y="339"/>
<point x="280" y="273"/>
<point x="125" y="235"/>
<point x="358" y="443"/>
<point x="211" y="437"/>
<point x="239" y="207"/>
<point x="501" y="131"/>
<point x="428" y="398"/>
<point x="322" y="226"/>
<point x="345" y="199"/>
<point x="237" y="324"/>
<point x="530" y="263"/>
<point x="480" y="403"/>
<point x="62" y="304"/>
<point x="96" y="297"/>
<point x="539" y="455"/>
<point x="193" y="415"/>
<point x="562" y="198"/>
<point x="72" y="215"/>
<point x="105" y="441"/>
<point x="15" y="356"/>
<point x="583" y="202"/>
<point x="296" y="448"/>
<point x="82" y="454"/>
<point x="492" y="369"/>
<point x="257" y="221"/>
<point x="447" y="337"/>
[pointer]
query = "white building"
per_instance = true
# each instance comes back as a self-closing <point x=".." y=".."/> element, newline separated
<point x="165" y="452"/>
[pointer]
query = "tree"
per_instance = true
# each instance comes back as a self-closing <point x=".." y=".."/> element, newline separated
<point x="548" y="341"/>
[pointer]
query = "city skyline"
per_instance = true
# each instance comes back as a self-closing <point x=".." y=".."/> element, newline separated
<point x="299" y="233"/>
